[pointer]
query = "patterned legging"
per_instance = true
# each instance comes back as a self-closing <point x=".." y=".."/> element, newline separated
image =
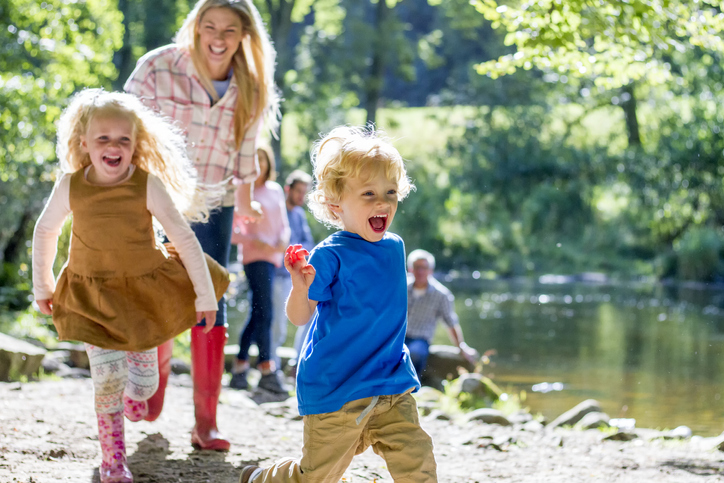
<point x="114" y="372"/>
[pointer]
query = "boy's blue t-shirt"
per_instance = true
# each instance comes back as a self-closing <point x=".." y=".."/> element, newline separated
<point x="355" y="347"/>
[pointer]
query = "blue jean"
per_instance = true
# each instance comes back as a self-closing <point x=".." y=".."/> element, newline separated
<point x="215" y="239"/>
<point x="260" y="276"/>
<point x="419" y="351"/>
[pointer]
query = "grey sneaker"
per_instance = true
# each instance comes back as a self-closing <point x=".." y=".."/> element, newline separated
<point x="274" y="382"/>
<point x="238" y="380"/>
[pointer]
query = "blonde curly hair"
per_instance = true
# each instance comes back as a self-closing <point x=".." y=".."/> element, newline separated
<point x="352" y="152"/>
<point x="253" y="64"/>
<point x="160" y="148"/>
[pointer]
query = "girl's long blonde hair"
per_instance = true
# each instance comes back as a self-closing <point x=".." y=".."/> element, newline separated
<point x="352" y="152"/>
<point x="256" y="99"/>
<point x="160" y="148"/>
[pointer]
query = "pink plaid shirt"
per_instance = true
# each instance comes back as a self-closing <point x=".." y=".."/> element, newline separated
<point x="166" y="80"/>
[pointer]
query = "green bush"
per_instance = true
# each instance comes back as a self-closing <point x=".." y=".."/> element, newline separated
<point x="698" y="254"/>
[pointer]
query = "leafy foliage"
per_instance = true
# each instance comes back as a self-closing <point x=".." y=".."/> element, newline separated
<point x="49" y="50"/>
<point x="613" y="42"/>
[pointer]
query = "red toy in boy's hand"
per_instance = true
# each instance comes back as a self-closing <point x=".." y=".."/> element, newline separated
<point x="295" y="253"/>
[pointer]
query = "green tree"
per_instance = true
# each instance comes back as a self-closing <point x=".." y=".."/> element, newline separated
<point x="659" y="62"/>
<point x="49" y="50"/>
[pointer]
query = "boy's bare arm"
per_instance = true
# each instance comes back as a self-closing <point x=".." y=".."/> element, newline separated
<point x="299" y="308"/>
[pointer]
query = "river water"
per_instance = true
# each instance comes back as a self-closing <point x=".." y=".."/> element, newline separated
<point x="644" y="351"/>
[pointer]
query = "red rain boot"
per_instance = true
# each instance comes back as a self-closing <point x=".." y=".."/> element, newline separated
<point x="114" y="468"/>
<point x="155" y="403"/>
<point x="207" y="367"/>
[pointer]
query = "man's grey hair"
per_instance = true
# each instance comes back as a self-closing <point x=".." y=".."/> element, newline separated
<point x="420" y="254"/>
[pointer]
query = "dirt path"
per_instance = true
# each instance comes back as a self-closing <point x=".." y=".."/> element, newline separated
<point x="48" y="434"/>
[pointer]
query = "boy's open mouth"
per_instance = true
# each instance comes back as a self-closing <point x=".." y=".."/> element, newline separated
<point x="112" y="161"/>
<point x="378" y="223"/>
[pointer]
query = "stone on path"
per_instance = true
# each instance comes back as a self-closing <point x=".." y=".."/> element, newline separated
<point x="488" y="416"/>
<point x="18" y="358"/>
<point x="593" y="420"/>
<point x="572" y="416"/>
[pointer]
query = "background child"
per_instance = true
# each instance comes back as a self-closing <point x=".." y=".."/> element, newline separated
<point x="355" y="376"/>
<point x="119" y="292"/>
<point x="261" y="250"/>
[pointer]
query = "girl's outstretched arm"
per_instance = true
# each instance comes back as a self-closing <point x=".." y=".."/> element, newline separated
<point x="45" y="243"/>
<point x="299" y="307"/>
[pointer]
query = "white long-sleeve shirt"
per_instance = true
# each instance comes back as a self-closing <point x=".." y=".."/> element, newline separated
<point x="159" y="204"/>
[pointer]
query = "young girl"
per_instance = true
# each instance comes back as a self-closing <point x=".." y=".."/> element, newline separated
<point x="261" y="250"/>
<point x="119" y="292"/>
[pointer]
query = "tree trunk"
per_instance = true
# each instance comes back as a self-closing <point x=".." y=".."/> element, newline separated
<point x="280" y="27"/>
<point x="629" y="112"/>
<point x="376" y="79"/>
<point x="123" y="58"/>
<point x="11" y="253"/>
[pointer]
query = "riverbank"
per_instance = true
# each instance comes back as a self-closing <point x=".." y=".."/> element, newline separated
<point x="48" y="434"/>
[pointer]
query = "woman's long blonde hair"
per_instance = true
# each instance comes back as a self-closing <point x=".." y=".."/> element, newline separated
<point x="160" y="148"/>
<point x="256" y="99"/>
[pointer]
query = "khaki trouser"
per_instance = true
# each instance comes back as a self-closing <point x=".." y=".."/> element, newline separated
<point x="331" y="440"/>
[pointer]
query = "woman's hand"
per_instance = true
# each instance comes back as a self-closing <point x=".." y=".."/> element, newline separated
<point x="250" y="213"/>
<point x="210" y="316"/>
<point x="45" y="306"/>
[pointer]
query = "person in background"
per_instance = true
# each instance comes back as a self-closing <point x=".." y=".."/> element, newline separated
<point x="429" y="301"/>
<point x="261" y="250"/>
<point x="217" y="82"/>
<point x="296" y="187"/>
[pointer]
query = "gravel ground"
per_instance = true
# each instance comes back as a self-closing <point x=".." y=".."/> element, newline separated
<point x="48" y="434"/>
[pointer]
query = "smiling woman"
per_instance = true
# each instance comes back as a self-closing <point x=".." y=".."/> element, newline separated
<point x="217" y="82"/>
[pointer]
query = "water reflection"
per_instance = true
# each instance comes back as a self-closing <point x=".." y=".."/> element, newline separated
<point x="647" y="352"/>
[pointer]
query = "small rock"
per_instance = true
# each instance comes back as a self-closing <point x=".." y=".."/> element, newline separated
<point x="680" y="432"/>
<point x="532" y="426"/>
<point x="179" y="366"/>
<point x="488" y="416"/>
<point x="520" y="417"/>
<point x="593" y="420"/>
<point x="77" y="356"/>
<point x="572" y="416"/>
<point x="67" y="372"/>
<point x="624" y="424"/>
<point x="621" y="436"/>
<point x="444" y="362"/>
<point x="438" y="415"/>
<point x="51" y="365"/>
<point x="478" y="385"/>
<point x="18" y="358"/>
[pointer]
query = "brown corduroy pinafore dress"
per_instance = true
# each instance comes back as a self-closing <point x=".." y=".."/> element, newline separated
<point x="119" y="289"/>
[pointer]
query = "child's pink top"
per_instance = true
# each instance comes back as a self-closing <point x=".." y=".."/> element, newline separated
<point x="272" y="229"/>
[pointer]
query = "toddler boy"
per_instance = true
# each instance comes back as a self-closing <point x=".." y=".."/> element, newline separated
<point x="355" y="377"/>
